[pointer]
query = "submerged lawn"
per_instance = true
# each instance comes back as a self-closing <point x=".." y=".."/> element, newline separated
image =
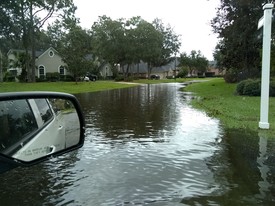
<point x="80" y="87"/>
<point x="68" y="87"/>
<point x="218" y="99"/>
<point x="215" y="97"/>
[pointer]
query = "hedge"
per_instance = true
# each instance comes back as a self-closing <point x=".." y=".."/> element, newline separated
<point x="252" y="87"/>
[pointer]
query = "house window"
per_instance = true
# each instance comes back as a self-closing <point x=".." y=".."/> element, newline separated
<point x="51" y="53"/>
<point x="41" y="71"/>
<point x="61" y="70"/>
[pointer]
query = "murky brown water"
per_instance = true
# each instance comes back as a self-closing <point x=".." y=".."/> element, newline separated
<point x="146" y="146"/>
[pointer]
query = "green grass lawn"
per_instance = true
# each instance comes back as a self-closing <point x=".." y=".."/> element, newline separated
<point x="180" y="80"/>
<point x="68" y="87"/>
<point x="218" y="99"/>
<point x="80" y="87"/>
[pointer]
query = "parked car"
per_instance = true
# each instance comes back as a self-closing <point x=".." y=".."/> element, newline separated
<point x="92" y="77"/>
<point x="154" y="76"/>
<point x="86" y="79"/>
<point x="33" y="127"/>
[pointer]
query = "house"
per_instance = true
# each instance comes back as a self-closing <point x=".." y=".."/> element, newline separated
<point x="105" y="71"/>
<point x="48" y="61"/>
<point x="141" y="70"/>
<point x="13" y="58"/>
<point x="211" y="71"/>
<point x="212" y="68"/>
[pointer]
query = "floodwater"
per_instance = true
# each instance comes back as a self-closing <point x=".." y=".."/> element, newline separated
<point x="146" y="146"/>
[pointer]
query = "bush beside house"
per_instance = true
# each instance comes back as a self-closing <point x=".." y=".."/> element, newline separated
<point x="252" y="87"/>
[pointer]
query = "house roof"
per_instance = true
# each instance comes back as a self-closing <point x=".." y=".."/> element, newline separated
<point x="47" y="50"/>
<point x="142" y="67"/>
<point x="12" y="51"/>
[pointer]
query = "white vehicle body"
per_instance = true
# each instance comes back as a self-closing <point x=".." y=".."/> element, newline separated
<point x="49" y="137"/>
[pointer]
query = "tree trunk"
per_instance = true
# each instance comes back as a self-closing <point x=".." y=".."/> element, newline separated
<point x="1" y="67"/>
<point x="149" y="70"/>
<point x="32" y="40"/>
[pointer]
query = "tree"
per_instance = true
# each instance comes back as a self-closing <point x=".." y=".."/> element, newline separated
<point x="183" y="72"/>
<point x="169" y="46"/>
<point x="195" y="62"/>
<point x="21" y="61"/>
<point x="127" y="42"/>
<point x="24" y="19"/>
<point x="170" y="43"/>
<point x="77" y="46"/>
<point x="239" y="45"/>
<point x="110" y="40"/>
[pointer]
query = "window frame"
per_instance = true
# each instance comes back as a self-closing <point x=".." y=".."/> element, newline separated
<point x="61" y="67"/>
<point x="40" y="67"/>
<point x="51" y="53"/>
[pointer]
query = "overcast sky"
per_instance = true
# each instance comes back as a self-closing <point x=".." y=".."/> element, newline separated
<point x="189" y="18"/>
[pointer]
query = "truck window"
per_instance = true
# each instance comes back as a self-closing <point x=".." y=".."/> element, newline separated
<point x="16" y="121"/>
<point x="44" y="109"/>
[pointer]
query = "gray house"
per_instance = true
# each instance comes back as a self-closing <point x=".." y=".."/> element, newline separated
<point x="48" y="61"/>
<point x="105" y="71"/>
<point x="141" y="70"/>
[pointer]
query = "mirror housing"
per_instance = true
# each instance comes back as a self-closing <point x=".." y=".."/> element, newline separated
<point x="35" y="126"/>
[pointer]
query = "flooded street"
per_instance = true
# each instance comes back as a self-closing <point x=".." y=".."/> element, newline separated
<point x="146" y="146"/>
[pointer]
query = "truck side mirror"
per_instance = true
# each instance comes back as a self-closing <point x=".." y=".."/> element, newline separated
<point x="36" y="126"/>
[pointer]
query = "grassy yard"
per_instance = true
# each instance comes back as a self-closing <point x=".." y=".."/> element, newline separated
<point x="68" y="87"/>
<point x="218" y="99"/>
<point x="80" y="87"/>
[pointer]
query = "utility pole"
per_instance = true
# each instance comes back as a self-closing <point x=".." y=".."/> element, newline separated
<point x="265" y="22"/>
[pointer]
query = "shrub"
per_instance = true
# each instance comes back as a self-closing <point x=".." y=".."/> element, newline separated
<point x="272" y="88"/>
<point x="183" y="72"/>
<point x="241" y="85"/>
<point x="209" y="74"/>
<point x="52" y="76"/>
<point x="40" y="79"/>
<point x="119" y="78"/>
<point x="9" y="77"/>
<point x="249" y="87"/>
<point x="67" y="78"/>
<point x="252" y="88"/>
<point x="231" y="76"/>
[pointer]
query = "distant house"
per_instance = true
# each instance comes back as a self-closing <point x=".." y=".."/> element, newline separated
<point x="104" y="68"/>
<point x="211" y="71"/>
<point x="141" y="70"/>
<point x="212" y="68"/>
<point x="48" y="61"/>
<point x="105" y="71"/>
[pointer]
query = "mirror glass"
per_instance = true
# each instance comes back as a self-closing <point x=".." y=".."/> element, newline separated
<point x="34" y="128"/>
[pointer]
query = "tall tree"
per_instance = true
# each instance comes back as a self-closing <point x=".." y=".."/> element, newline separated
<point x="75" y="50"/>
<point x="24" y="19"/>
<point x="128" y="42"/>
<point x="110" y="40"/>
<point x="170" y="42"/>
<point x="150" y="42"/>
<point x="195" y="61"/>
<point x="236" y="25"/>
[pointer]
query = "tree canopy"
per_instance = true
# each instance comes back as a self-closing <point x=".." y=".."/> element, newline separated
<point x="239" y="45"/>
<point x="195" y="61"/>
<point x="77" y="46"/>
<point x="127" y="42"/>
<point x="22" y="20"/>
<point x="119" y="42"/>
